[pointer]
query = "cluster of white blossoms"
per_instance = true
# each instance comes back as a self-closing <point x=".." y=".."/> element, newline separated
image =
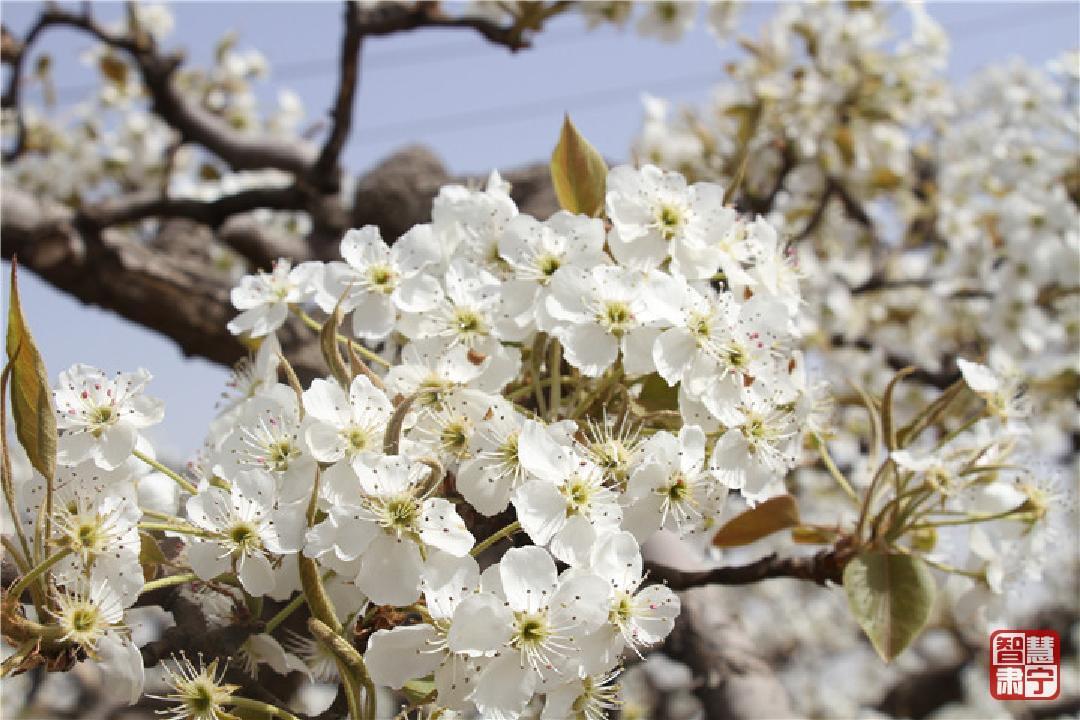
<point x="674" y="286"/>
<point x="509" y="335"/>
<point x="931" y="225"/>
<point x="513" y="406"/>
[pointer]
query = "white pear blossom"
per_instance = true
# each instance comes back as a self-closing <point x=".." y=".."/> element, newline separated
<point x="759" y="447"/>
<point x="101" y="530"/>
<point x="376" y="282"/>
<point x="100" y="417"/>
<point x="470" y="222"/>
<point x="1001" y="385"/>
<point x="672" y="489"/>
<point x="431" y="369"/>
<point x="714" y="338"/>
<point x="534" y="251"/>
<point x="531" y="623"/>
<point x="264" y="299"/>
<point x="268" y="435"/>
<point x="88" y="613"/>
<point x="638" y="617"/>
<point x="601" y="312"/>
<point x="345" y="425"/>
<point x="246" y="529"/>
<point x="567" y="504"/>
<point x="657" y="217"/>
<point x="494" y="469"/>
<point x="381" y="513"/>
<point x="403" y="653"/>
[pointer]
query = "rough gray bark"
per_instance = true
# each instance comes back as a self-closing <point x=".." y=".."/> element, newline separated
<point x="168" y="283"/>
<point x="735" y="682"/>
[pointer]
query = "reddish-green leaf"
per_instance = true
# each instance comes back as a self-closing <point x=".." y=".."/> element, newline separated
<point x="578" y="172"/>
<point x="31" y="396"/>
<point x="775" y="514"/>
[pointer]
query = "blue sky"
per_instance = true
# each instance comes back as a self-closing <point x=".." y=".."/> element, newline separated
<point x="477" y="106"/>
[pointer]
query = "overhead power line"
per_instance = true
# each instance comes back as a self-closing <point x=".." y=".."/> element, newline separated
<point x="513" y="112"/>
<point x="389" y="58"/>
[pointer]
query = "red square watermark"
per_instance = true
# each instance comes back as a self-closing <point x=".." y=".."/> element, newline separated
<point x="1025" y="665"/>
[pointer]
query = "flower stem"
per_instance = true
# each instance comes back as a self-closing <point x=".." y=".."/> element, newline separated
<point x="184" y="484"/>
<point x="168" y="581"/>
<point x="598" y="392"/>
<point x="496" y="537"/>
<point x="536" y="356"/>
<point x="525" y="391"/>
<point x="42" y="567"/>
<point x="358" y="347"/>
<point x="969" y="520"/>
<point x="830" y="465"/>
<point x="16" y="659"/>
<point x="283" y="614"/>
<point x="178" y="528"/>
<point x="554" y="368"/>
<point x="348" y="659"/>
<point x="260" y="708"/>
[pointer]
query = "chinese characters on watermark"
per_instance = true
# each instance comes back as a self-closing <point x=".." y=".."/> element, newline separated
<point x="1025" y="664"/>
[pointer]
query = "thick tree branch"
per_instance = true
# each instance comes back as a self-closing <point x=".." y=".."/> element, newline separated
<point x="389" y="18"/>
<point x="734" y="681"/>
<point x="825" y="566"/>
<point x="169" y="283"/>
<point x="939" y="379"/>
<point x="213" y="213"/>
<point x="835" y="189"/>
<point x="240" y="151"/>
<point x="325" y="173"/>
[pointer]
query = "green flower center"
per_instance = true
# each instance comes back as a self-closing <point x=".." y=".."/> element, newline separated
<point x="678" y="491"/>
<point x="467" y="322"/>
<point x="201" y="698"/>
<point x="431" y="391"/>
<point x="548" y="264"/>
<point x="669" y="218"/>
<point x="530" y="630"/>
<point x="754" y="429"/>
<point x="400" y="514"/>
<point x="616" y="317"/>
<point x="455" y="438"/>
<point x="280" y="453"/>
<point x="359" y="439"/>
<point x="102" y="415"/>
<point x="578" y="492"/>
<point x="736" y="357"/>
<point x="244" y="537"/>
<point x="84" y="620"/>
<point x="699" y="326"/>
<point x="87" y="536"/>
<point x="508" y="451"/>
<point x="382" y="278"/>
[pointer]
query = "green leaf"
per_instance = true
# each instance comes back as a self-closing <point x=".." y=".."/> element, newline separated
<point x="419" y="690"/>
<point x="657" y="395"/>
<point x="890" y="597"/>
<point x="775" y="514"/>
<point x="43" y="74"/>
<point x="578" y="172"/>
<point x="31" y="396"/>
<point x="813" y="535"/>
<point x="114" y="69"/>
<point x="150" y="556"/>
